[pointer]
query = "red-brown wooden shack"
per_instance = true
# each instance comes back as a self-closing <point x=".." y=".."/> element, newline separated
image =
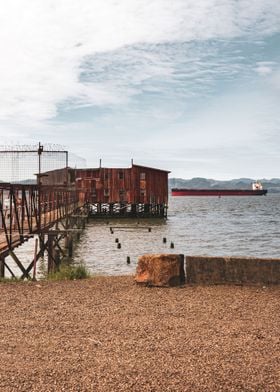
<point x="138" y="184"/>
<point x="135" y="185"/>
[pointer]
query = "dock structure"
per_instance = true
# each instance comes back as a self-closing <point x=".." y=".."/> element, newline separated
<point x="137" y="191"/>
<point x="55" y="206"/>
<point x="49" y="213"/>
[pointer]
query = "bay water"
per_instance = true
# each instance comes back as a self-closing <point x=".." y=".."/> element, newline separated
<point x="226" y="226"/>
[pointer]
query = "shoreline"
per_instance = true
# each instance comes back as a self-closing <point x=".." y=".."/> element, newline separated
<point x="108" y="334"/>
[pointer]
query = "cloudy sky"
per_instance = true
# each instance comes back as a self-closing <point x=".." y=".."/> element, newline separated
<point x="192" y="86"/>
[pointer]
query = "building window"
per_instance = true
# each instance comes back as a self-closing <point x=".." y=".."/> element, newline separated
<point x="120" y="175"/>
<point x="143" y="192"/>
<point x="72" y="176"/>
<point x="142" y="176"/>
<point x="122" y="194"/>
<point x="106" y="192"/>
<point x="107" y="176"/>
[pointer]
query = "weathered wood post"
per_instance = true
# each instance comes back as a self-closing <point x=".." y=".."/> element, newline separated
<point x="147" y="208"/>
<point x="84" y="223"/>
<point x="42" y="243"/>
<point x="70" y="245"/>
<point x="2" y="267"/>
<point x="133" y="210"/>
<point x="57" y="258"/>
<point x="35" y="258"/>
<point x="50" y="253"/>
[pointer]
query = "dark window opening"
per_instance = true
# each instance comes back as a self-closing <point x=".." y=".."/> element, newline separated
<point x="72" y="176"/>
<point x="121" y="175"/>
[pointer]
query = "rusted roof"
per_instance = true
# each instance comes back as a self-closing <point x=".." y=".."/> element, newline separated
<point x="152" y="168"/>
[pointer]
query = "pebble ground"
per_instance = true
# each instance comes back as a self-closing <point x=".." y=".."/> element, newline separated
<point x="108" y="334"/>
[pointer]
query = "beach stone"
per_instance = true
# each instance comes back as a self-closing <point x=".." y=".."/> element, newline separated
<point x="160" y="270"/>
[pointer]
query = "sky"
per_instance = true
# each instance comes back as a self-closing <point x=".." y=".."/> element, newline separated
<point x="191" y="86"/>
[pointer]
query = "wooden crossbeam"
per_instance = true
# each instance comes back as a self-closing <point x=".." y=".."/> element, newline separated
<point x="25" y="274"/>
<point x="130" y="227"/>
<point x="64" y="231"/>
<point x="9" y="269"/>
<point x="31" y="265"/>
<point x="78" y="216"/>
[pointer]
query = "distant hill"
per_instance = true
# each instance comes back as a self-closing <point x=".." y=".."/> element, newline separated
<point x="23" y="182"/>
<point x="272" y="185"/>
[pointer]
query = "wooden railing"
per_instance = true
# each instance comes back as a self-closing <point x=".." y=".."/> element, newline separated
<point x="26" y="210"/>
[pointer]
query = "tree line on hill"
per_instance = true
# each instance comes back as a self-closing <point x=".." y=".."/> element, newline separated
<point x="272" y="185"/>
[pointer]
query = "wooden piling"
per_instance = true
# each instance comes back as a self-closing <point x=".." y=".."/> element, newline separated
<point x="70" y="245"/>
<point x="2" y="268"/>
<point x="50" y="253"/>
<point x="35" y="258"/>
<point x="57" y="258"/>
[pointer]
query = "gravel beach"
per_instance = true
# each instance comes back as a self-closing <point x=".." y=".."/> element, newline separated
<point x="108" y="334"/>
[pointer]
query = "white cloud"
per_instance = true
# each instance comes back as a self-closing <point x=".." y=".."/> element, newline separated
<point x="263" y="70"/>
<point x="43" y="43"/>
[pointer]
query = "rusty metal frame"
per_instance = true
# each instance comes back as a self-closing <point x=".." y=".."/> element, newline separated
<point x="24" y="212"/>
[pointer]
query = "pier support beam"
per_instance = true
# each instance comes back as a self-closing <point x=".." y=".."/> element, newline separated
<point x="127" y="210"/>
<point x="49" y="242"/>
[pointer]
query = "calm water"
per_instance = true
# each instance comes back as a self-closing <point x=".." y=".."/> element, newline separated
<point x="239" y="226"/>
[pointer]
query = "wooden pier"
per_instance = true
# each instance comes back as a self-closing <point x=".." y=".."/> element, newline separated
<point x="51" y="213"/>
<point x="58" y="206"/>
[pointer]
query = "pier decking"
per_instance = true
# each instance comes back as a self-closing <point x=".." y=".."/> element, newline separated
<point x="28" y="210"/>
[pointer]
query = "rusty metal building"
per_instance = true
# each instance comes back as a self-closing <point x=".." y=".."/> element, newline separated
<point x="138" y="190"/>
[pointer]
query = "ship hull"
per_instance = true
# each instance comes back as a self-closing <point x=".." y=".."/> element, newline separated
<point x="217" y="192"/>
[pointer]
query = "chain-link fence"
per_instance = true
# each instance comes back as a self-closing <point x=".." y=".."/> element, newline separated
<point x="20" y="164"/>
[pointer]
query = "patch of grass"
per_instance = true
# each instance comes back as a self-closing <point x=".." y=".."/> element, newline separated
<point x="10" y="280"/>
<point x="70" y="272"/>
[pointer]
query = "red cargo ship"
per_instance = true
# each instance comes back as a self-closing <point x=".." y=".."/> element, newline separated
<point x="257" y="190"/>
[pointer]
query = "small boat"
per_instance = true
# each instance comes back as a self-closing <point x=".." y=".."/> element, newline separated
<point x="257" y="190"/>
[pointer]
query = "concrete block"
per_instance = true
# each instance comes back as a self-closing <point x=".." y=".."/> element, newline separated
<point x="216" y="270"/>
